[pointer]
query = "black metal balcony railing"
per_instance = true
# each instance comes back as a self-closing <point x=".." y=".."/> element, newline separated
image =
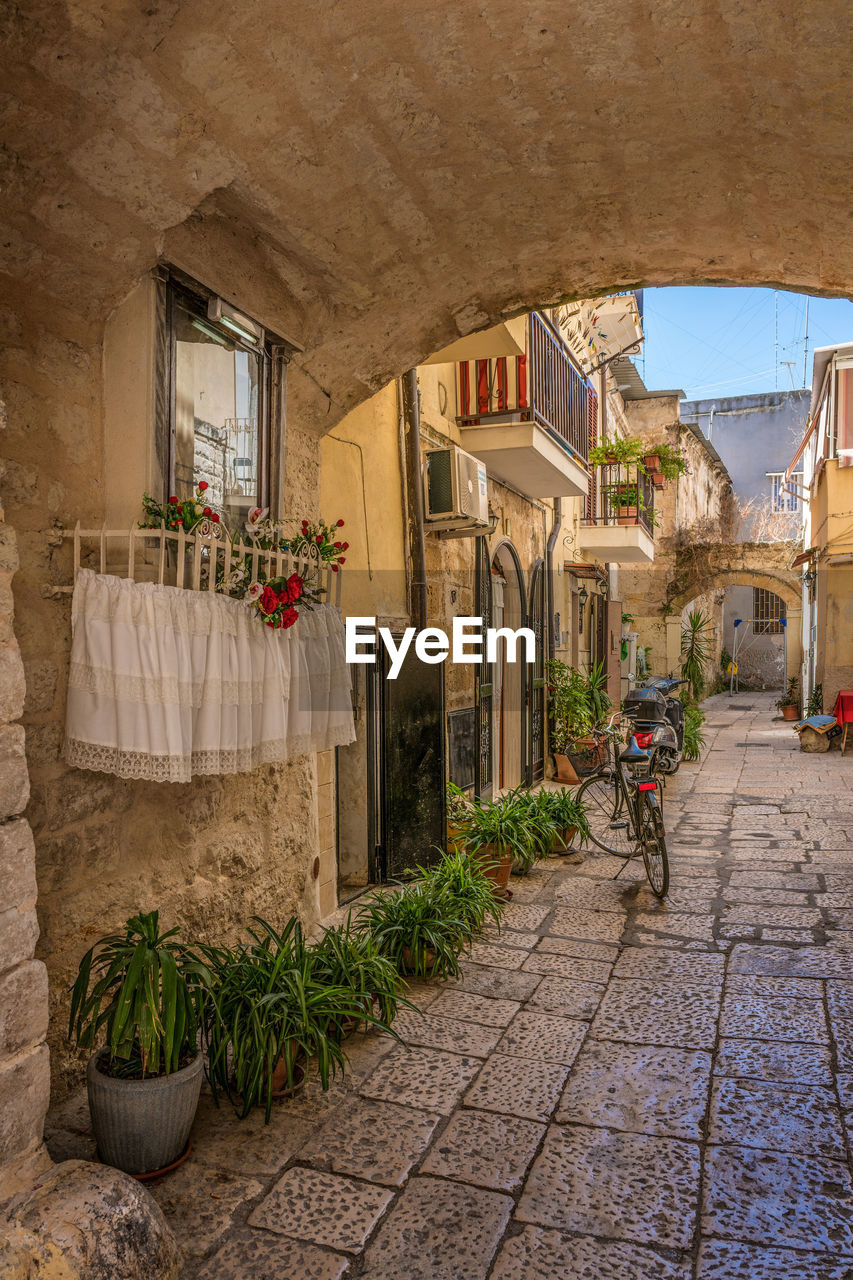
<point x="625" y="495"/>
<point x="543" y="386"/>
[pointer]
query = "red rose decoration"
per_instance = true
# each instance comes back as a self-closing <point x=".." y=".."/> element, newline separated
<point x="338" y="546"/>
<point x="269" y="601"/>
<point x="202" y="484"/>
<point x="215" y="518"/>
<point x="294" y="588"/>
<point x="289" y="617"/>
<point x="340" y="524"/>
<point x="344" y="546"/>
<point x="207" y="512"/>
<point x="335" y="568"/>
<point x="179" y="519"/>
<point x="319" y="538"/>
<point x="342" y="559"/>
<point x="173" y="500"/>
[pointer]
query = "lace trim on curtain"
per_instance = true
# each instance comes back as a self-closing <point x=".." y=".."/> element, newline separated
<point x="171" y="689"/>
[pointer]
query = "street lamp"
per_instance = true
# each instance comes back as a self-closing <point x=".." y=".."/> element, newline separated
<point x="583" y="596"/>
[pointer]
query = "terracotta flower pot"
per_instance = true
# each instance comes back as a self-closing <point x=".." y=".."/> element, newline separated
<point x="408" y="962"/>
<point x="626" y="515"/>
<point x="790" y="712"/>
<point x="280" y="1087"/>
<point x="652" y="461"/>
<point x="455" y="838"/>
<point x="496" y="871"/>
<point x="658" y="479"/>
<point x="565" y="770"/>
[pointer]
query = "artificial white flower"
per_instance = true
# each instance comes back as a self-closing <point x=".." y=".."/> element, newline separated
<point x="254" y="591"/>
<point x="256" y="515"/>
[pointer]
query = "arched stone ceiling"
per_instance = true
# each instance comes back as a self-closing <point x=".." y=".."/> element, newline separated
<point x="390" y="175"/>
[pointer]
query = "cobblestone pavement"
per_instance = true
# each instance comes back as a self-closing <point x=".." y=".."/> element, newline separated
<point x="614" y="1088"/>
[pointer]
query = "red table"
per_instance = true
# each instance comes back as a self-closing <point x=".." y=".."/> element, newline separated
<point x="843" y="712"/>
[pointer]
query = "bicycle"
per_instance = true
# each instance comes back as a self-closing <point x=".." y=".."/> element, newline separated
<point x="623" y="809"/>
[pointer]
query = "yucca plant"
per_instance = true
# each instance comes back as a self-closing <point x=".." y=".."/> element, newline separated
<point x="146" y="992"/>
<point x="695" y="651"/>
<point x="349" y="958"/>
<point x="418" y="928"/>
<point x="460" y="881"/>
<point x="269" y="1013"/>
<point x="600" y="702"/>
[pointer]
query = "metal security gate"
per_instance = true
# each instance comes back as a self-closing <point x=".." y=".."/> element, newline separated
<point x="484" y="676"/>
<point x="536" y="677"/>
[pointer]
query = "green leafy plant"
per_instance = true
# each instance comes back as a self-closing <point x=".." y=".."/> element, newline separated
<point x="533" y="811"/>
<point x="694" y="739"/>
<point x="268" y="1014"/>
<point x="460" y="882"/>
<point x="571" y="714"/>
<point x="791" y="696"/>
<point x="600" y="702"/>
<point x="815" y="703"/>
<point x="348" y="958"/>
<point x="418" y="929"/>
<point x="695" y="651"/>
<point x="146" y="993"/>
<point x="502" y="827"/>
<point x="567" y="812"/>
<point x="672" y="460"/>
<point x="624" y="495"/>
<point x="458" y="805"/>
<point x="725" y="659"/>
<point x="626" y="450"/>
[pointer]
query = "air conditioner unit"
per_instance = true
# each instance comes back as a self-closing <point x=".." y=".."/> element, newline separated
<point x="455" y="490"/>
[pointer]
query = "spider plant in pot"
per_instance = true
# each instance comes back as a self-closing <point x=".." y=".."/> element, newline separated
<point x="569" y="816"/>
<point x="268" y="1015"/>
<point x="146" y="993"/>
<point x="461" y="881"/>
<point x="349" y="958"/>
<point x="535" y="812"/>
<point x="497" y="837"/>
<point x="418" y="929"/>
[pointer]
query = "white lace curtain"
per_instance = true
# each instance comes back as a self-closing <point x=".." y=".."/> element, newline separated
<point x="166" y="683"/>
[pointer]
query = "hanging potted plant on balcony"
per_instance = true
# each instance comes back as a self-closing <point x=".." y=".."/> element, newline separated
<point x="665" y="462"/>
<point x="147" y="993"/>
<point x="625" y="450"/>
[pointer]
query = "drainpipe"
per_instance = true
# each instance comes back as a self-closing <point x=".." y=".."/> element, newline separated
<point x="415" y="495"/>
<point x="549" y="569"/>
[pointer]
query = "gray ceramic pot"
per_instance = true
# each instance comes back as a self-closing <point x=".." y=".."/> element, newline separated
<point x="143" y="1125"/>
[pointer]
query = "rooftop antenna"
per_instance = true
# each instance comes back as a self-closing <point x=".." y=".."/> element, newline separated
<point x="806" y="343"/>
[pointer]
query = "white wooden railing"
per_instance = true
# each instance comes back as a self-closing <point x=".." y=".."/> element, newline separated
<point x="195" y="561"/>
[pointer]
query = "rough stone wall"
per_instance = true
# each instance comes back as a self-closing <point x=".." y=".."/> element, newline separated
<point x="24" y="1063"/>
<point x="209" y="854"/>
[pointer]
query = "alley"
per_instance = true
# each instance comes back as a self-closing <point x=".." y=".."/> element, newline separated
<point x="613" y="1088"/>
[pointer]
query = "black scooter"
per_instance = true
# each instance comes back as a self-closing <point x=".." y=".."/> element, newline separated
<point x="658" y="718"/>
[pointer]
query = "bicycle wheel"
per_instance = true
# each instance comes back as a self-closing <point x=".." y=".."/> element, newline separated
<point x="610" y="825"/>
<point x="653" y="842"/>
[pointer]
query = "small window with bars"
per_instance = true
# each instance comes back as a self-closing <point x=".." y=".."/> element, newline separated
<point x="768" y="610"/>
<point x="782" y="500"/>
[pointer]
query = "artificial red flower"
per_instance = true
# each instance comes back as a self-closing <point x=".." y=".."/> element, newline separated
<point x="202" y="485"/>
<point x="173" y="500"/>
<point x="335" y="568"/>
<point x="338" y="546"/>
<point x="179" y="519"/>
<point x="304" y="524"/>
<point x="207" y="512"/>
<point x="344" y="546"/>
<point x="319" y="538"/>
<point x="293" y="588"/>
<point x="342" y="559"/>
<point x="289" y="617"/>
<point x="215" y="518"/>
<point x="340" y="524"/>
<point x="269" y="601"/>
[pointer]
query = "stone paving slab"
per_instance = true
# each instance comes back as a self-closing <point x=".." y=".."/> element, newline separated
<point x="267" y="1257"/>
<point x="730" y="1260"/>
<point x="666" y="925"/>
<point x="573" y="922"/>
<point x="658" y="1013"/>
<point x="542" y="1037"/>
<point x="512" y="938"/>
<point x="570" y="998"/>
<point x="481" y="1009"/>
<point x="778" y="917"/>
<point x="768" y="1018"/>
<point x="604" y="952"/>
<point x="794" y="988"/>
<point x="322" y="1208"/>
<point x="786" y="1063"/>
<point x="802" y="962"/>
<point x="486" y="1149"/>
<point x="753" y="1113"/>
<point x="497" y="956"/>
<point x="426" y="1078"/>
<point x="531" y="1094"/>
<point x="639" y="1089"/>
<point x="542" y="1254"/>
<point x="626" y="1186"/>
<point x="440" y="1032"/>
<point x="438" y="1230"/>
<point x="525" y="916"/>
<point x="569" y="967"/>
<point x="373" y="1141"/>
<point x="505" y="984"/>
<point x="770" y="897"/>
<point x="692" y="967"/>
<point x="200" y="1203"/>
<point x="760" y="1197"/>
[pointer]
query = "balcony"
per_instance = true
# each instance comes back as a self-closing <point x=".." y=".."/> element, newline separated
<point x="620" y="516"/>
<point x="529" y="418"/>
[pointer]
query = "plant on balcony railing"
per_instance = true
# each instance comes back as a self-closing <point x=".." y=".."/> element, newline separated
<point x="626" y="450"/>
<point x="665" y="462"/>
<point x="630" y="506"/>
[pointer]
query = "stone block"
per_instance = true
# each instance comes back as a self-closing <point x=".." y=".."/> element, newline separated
<point x="14" y="776"/>
<point x="322" y="1208"/>
<point x="23" y="1008"/>
<point x="17" y="864"/>
<point x="19" y="933"/>
<point x="9" y="562"/>
<point x="80" y="794"/>
<point x="11" y="683"/>
<point x="96" y="1223"/>
<point x="24" y="1096"/>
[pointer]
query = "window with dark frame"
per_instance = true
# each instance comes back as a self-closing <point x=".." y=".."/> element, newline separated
<point x="768" y="610"/>
<point x="223" y="403"/>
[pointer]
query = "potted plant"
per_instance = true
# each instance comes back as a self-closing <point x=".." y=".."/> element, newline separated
<point x="570" y="714"/>
<point x="535" y="810"/>
<point x="694" y="738"/>
<point x="349" y="959"/>
<point x="611" y="450"/>
<point x="417" y="928"/>
<point x="498" y="836"/>
<point x="625" y="501"/>
<point x="460" y="879"/>
<point x="146" y="992"/>
<point x="789" y="703"/>
<point x="268" y="1014"/>
<point x="458" y="809"/>
<point x="569" y="817"/>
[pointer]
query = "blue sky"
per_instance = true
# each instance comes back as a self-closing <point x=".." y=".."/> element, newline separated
<point x="722" y="342"/>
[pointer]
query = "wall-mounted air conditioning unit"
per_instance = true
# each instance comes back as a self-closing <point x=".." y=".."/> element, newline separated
<point x="455" y="492"/>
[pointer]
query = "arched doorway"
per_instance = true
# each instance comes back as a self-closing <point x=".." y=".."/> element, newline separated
<point x="509" y="706"/>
